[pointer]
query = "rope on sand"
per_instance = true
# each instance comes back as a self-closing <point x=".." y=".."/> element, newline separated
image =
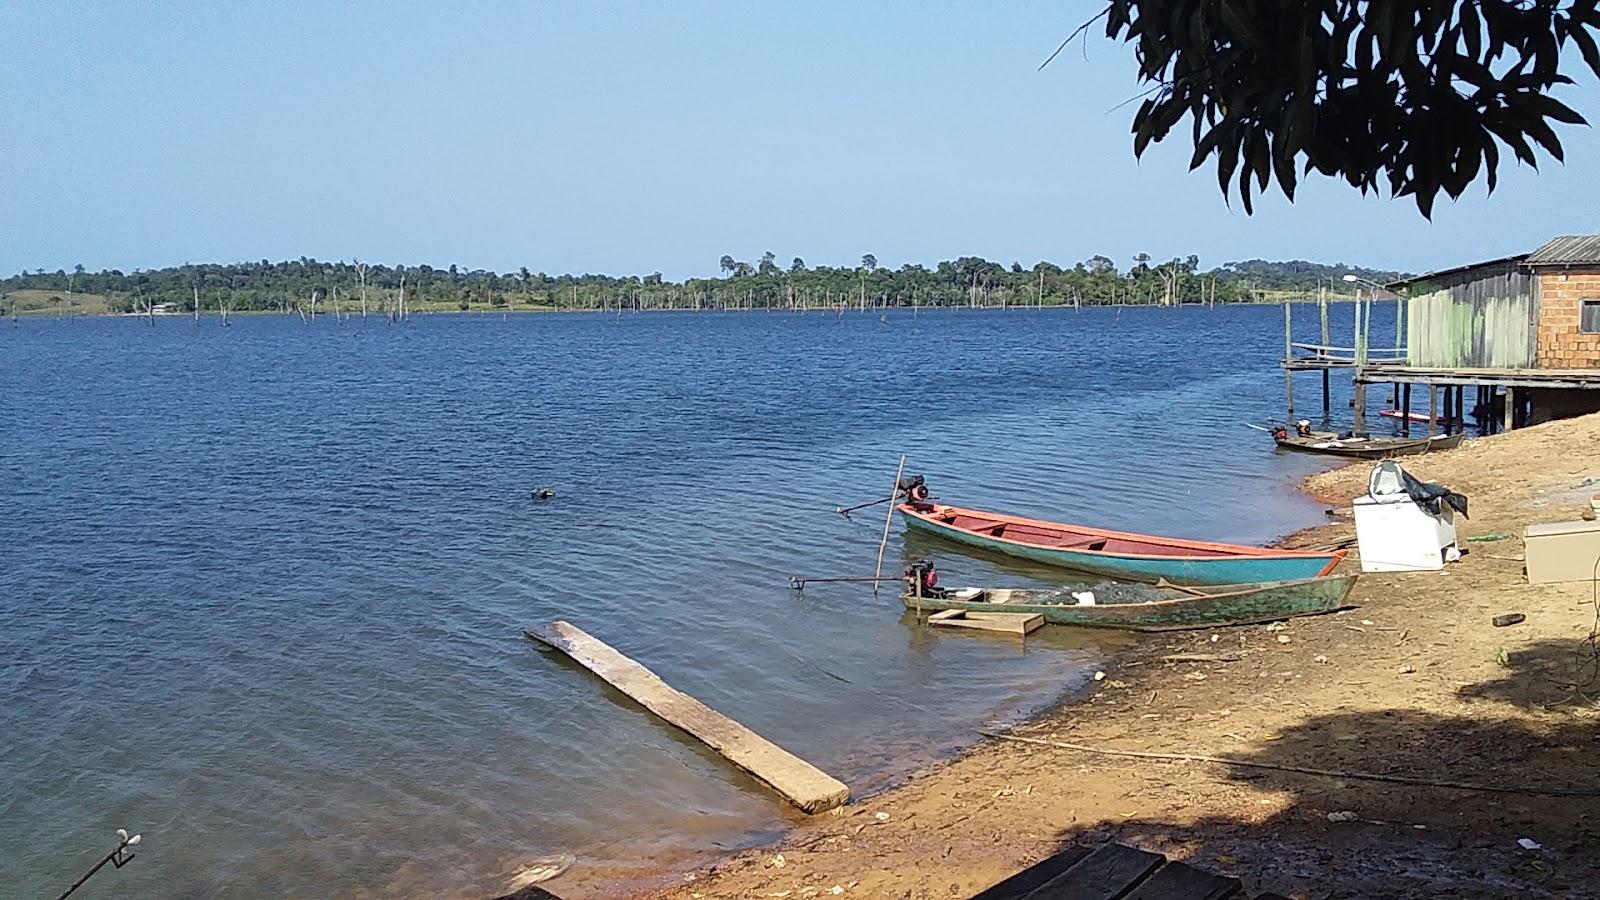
<point x="1329" y="773"/>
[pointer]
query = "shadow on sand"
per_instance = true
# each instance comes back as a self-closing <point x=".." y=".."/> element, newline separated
<point x="1388" y="839"/>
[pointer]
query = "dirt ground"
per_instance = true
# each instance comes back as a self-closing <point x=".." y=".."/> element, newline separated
<point x="1414" y="683"/>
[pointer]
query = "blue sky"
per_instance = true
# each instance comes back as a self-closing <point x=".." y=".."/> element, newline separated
<point x="627" y="138"/>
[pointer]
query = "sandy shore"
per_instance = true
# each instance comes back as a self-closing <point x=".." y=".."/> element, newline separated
<point x="1415" y="683"/>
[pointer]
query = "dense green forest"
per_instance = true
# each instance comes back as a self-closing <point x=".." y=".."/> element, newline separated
<point x="316" y="285"/>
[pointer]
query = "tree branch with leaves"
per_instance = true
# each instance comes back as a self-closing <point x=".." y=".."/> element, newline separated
<point x="1418" y="98"/>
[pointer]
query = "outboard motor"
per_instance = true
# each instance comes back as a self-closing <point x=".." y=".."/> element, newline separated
<point x="922" y="580"/>
<point x="914" y="489"/>
<point x="1280" y="433"/>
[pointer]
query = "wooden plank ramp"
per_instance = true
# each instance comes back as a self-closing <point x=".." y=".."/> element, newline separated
<point x="801" y="783"/>
<point x="1004" y="622"/>
<point x="1111" y="872"/>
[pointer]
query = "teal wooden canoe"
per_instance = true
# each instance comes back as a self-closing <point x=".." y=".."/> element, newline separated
<point x="1151" y="607"/>
<point x="1120" y="555"/>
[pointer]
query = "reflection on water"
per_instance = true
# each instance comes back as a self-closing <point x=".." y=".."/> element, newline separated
<point x="264" y="585"/>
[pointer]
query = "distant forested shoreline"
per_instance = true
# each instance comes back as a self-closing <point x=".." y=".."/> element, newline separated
<point x="318" y="285"/>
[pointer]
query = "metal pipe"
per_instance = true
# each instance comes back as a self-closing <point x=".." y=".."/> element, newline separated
<point x="799" y="584"/>
<point x="847" y="510"/>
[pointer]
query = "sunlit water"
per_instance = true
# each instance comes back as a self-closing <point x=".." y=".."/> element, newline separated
<point x="263" y="586"/>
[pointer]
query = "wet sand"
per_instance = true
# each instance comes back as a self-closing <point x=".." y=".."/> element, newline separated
<point x="1416" y="683"/>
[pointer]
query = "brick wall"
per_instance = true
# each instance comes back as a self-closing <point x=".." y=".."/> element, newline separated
<point x="1560" y="344"/>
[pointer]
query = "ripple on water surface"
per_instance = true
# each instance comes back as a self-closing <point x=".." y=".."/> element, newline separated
<point x="264" y="585"/>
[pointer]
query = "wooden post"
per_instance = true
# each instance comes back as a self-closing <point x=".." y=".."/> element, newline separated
<point x="887" y="519"/>
<point x="1360" y="403"/>
<point x="1355" y="336"/>
<point x="1325" y="403"/>
<point x="1433" y="408"/>
<point x="1511" y="406"/>
<point x="1288" y="383"/>
<point x="1322" y="310"/>
<point x="1405" y="410"/>
<point x="1288" y="331"/>
<point x="1399" y="320"/>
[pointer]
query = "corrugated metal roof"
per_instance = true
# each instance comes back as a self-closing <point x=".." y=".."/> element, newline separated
<point x="1568" y="250"/>
<point x="1431" y="276"/>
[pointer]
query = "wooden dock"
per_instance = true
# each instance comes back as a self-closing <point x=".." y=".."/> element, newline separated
<point x="1114" y="872"/>
<point x="801" y="783"/>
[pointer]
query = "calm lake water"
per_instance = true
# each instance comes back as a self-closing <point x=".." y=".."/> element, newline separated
<point x="263" y="586"/>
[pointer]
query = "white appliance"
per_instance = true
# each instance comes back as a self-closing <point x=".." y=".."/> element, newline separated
<point x="1395" y="533"/>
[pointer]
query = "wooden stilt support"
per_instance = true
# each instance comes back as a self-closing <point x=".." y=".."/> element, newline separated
<point x="1511" y="408"/>
<point x="1405" y="410"/>
<point x="1360" y="403"/>
<point x="1288" y="384"/>
<point x="1433" y="409"/>
<point x="801" y="783"/>
<point x="1325" y="405"/>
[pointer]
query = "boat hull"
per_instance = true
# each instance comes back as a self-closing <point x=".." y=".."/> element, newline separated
<point x="1208" y="569"/>
<point x="1241" y="604"/>
<point x="1381" y="448"/>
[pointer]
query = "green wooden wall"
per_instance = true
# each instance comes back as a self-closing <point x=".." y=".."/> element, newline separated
<point x="1476" y="319"/>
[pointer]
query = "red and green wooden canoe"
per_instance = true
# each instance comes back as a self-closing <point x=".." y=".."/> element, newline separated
<point x="1121" y="555"/>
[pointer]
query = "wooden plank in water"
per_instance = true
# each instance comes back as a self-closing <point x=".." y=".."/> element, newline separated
<point x="801" y="783"/>
<point x="1177" y="881"/>
<point x="1106" y="874"/>
<point x="1045" y="869"/>
<point x="1010" y="623"/>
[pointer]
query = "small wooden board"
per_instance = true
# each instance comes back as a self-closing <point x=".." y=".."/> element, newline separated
<point x="1111" y="872"/>
<point x="803" y="784"/>
<point x="1105" y="874"/>
<point x="1178" y="881"/>
<point x="1021" y="883"/>
<point x="1009" y="623"/>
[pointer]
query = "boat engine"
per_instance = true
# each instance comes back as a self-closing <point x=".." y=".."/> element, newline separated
<point x="914" y="489"/>
<point x="1279" y="433"/>
<point x="922" y="579"/>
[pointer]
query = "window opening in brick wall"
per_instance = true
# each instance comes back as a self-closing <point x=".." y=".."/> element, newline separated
<point x="1589" y="316"/>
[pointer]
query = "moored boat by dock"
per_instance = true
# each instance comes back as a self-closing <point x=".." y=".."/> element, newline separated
<point x="1364" y="447"/>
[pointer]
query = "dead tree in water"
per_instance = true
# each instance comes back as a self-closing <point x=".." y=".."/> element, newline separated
<point x="361" y="276"/>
